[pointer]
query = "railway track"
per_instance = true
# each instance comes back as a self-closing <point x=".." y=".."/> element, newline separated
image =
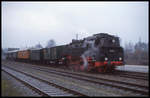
<point x="143" y="90"/>
<point x="134" y="75"/>
<point x="117" y="84"/>
<point x="128" y="74"/>
<point x="44" y="88"/>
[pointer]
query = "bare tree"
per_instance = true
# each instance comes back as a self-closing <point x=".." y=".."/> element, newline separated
<point x="38" y="46"/>
<point x="129" y="47"/>
<point x="128" y="52"/>
<point x="136" y="54"/>
<point x="141" y="52"/>
<point x="50" y="43"/>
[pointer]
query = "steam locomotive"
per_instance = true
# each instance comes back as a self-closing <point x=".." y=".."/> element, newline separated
<point x="101" y="52"/>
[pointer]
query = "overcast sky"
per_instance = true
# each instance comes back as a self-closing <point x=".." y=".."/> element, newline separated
<point x="28" y="23"/>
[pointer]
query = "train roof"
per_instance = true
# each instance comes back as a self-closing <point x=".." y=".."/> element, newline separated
<point x="12" y="51"/>
<point x="36" y="49"/>
<point x="104" y="35"/>
<point x="54" y="46"/>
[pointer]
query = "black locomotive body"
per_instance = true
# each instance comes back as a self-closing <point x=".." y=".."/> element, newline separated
<point x="101" y="52"/>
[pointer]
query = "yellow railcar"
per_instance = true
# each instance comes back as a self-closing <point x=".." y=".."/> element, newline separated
<point x="23" y="54"/>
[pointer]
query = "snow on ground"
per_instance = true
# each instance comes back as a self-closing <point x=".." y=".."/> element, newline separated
<point x="136" y="68"/>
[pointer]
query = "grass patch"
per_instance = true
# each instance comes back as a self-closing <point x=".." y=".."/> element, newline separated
<point x="8" y="89"/>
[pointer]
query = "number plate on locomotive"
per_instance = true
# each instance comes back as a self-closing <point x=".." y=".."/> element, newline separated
<point x="111" y="50"/>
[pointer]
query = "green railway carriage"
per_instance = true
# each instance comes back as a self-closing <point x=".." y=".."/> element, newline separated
<point x="57" y="52"/>
<point x="46" y="53"/>
<point x="36" y="55"/>
<point x="53" y="54"/>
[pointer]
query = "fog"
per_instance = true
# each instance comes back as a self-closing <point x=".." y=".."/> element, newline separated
<point x="30" y="23"/>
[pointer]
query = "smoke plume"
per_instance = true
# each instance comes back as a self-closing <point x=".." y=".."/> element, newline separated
<point x="92" y="51"/>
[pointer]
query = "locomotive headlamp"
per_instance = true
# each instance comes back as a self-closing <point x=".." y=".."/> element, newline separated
<point x="106" y="58"/>
<point x="120" y="58"/>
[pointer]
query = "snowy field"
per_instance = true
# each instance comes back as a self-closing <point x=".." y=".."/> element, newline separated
<point x="136" y="68"/>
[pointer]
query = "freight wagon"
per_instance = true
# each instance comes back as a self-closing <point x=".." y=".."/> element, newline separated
<point x="23" y="55"/>
<point x="12" y="55"/>
<point x="36" y="55"/>
<point x="53" y="55"/>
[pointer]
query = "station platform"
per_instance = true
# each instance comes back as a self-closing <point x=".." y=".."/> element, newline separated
<point x="134" y="68"/>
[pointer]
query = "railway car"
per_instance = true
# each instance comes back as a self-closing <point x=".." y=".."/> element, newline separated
<point x="8" y="55"/>
<point x="72" y="55"/>
<point x="36" y="55"/>
<point x="23" y="55"/>
<point x="14" y="55"/>
<point x="57" y="53"/>
<point x="11" y="55"/>
<point x="53" y="55"/>
<point x="46" y="55"/>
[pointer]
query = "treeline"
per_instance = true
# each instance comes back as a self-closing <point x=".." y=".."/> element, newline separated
<point x="137" y="54"/>
<point x="50" y="43"/>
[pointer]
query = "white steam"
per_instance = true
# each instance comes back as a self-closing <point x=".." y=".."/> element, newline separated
<point x="85" y="61"/>
<point x="91" y="52"/>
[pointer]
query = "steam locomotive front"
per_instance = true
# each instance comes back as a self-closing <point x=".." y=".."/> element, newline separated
<point x="110" y="53"/>
<point x="98" y="52"/>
